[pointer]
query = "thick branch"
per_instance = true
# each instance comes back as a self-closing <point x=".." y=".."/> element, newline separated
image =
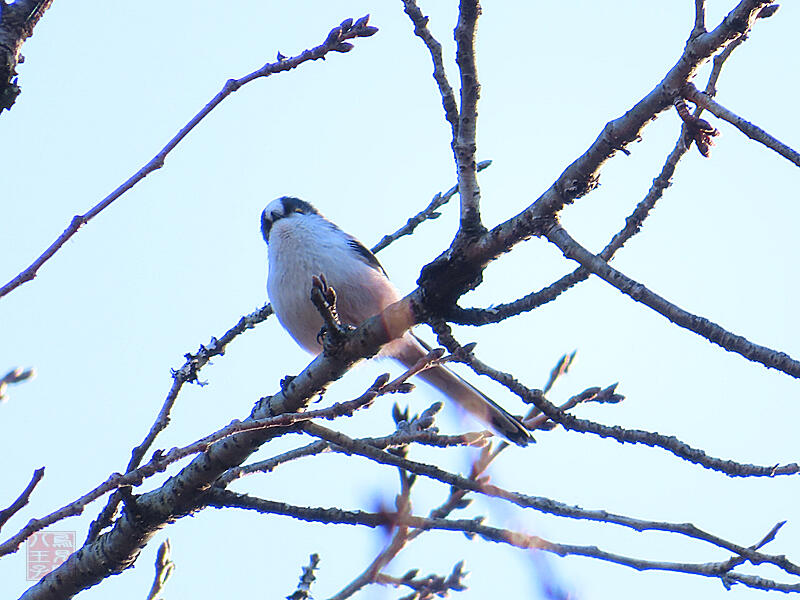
<point x="633" y="224"/>
<point x="119" y="548"/>
<point x="17" y="21"/>
<point x="460" y="266"/>
<point x="477" y="316"/>
<point x="581" y="176"/>
<point x="160" y="461"/>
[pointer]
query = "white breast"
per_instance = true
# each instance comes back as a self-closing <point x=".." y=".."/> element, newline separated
<point x="301" y="246"/>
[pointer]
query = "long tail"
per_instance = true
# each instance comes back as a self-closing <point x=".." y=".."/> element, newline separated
<point x="466" y="395"/>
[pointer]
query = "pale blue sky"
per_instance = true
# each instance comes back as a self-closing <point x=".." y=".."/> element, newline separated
<point x="180" y="258"/>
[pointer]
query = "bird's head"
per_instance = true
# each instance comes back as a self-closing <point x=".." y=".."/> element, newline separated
<point x="284" y="207"/>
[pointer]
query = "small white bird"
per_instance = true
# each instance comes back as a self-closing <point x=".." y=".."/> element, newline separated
<point x="301" y="244"/>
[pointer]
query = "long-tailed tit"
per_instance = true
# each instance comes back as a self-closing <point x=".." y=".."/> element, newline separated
<point x="301" y="244"/>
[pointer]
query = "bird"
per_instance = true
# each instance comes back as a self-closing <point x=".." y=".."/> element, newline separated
<point x="302" y="244"/>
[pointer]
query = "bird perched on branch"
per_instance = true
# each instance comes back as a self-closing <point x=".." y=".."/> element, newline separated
<point x="302" y="244"/>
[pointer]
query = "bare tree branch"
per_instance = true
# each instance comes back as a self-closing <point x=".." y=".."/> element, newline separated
<point x="438" y="201"/>
<point x="186" y="374"/>
<point x="699" y="18"/>
<point x="464" y="145"/>
<point x="699" y="325"/>
<point x="392" y="549"/>
<point x="419" y="434"/>
<point x="160" y="461"/>
<point x="164" y="569"/>
<point x="721" y="570"/>
<point x="335" y="42"/>
<point x="630" y="436"/>
<point x="220" y="455"/>
<point x="17" y="21"/>
<point x="435" y="48"/>
<point x="462" y="269"/>
<point x="754" y="132"/>
<point x="547" y="505"/>
<point x="428" y="586"/>
<point x="633" y="224"/>
<point x="23" y="498"/>
<point x="306" y="579"/>
<point x="117" y="549"/>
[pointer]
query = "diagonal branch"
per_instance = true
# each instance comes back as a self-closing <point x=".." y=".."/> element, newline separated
<point x="430" y="212"/>
<point x="633" y="224"/>
<point x="754" y="132"/>
<point x="117" y="549"/>
<point x="186" y="374"/>
<point x="335" y="42"/>
<point x="160" y="461"/>
<point x="699" y="325"/>
<point x="477" y="316"/>
<point x="629" y="436"/>
<point x="461" y="266"/>
<point x="581" y="176"/>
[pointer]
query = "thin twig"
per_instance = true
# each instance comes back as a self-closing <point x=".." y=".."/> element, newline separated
<point x="722" y="570"/>
<point x="546" y="505"/>
<point x="396" y="439"/>
<point x="399" y="540"/>
<point x="430" y="212"/>
<point x="581" y="176"/>
<point x="456" y="498"/>
<point x="160" y="461"/>
<point x="435" y="48"/>
<point x="186" y="374"/>
<point x="629" y="436"/>
<point x="754" y="132"/>
<point x="429" y="586"/>
<point x="23" y="498"/>
<point x="335" y="42"/>
<point x="306" y="579"/>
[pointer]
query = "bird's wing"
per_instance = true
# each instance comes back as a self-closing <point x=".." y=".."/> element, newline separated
<point x="366" y="255"/>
